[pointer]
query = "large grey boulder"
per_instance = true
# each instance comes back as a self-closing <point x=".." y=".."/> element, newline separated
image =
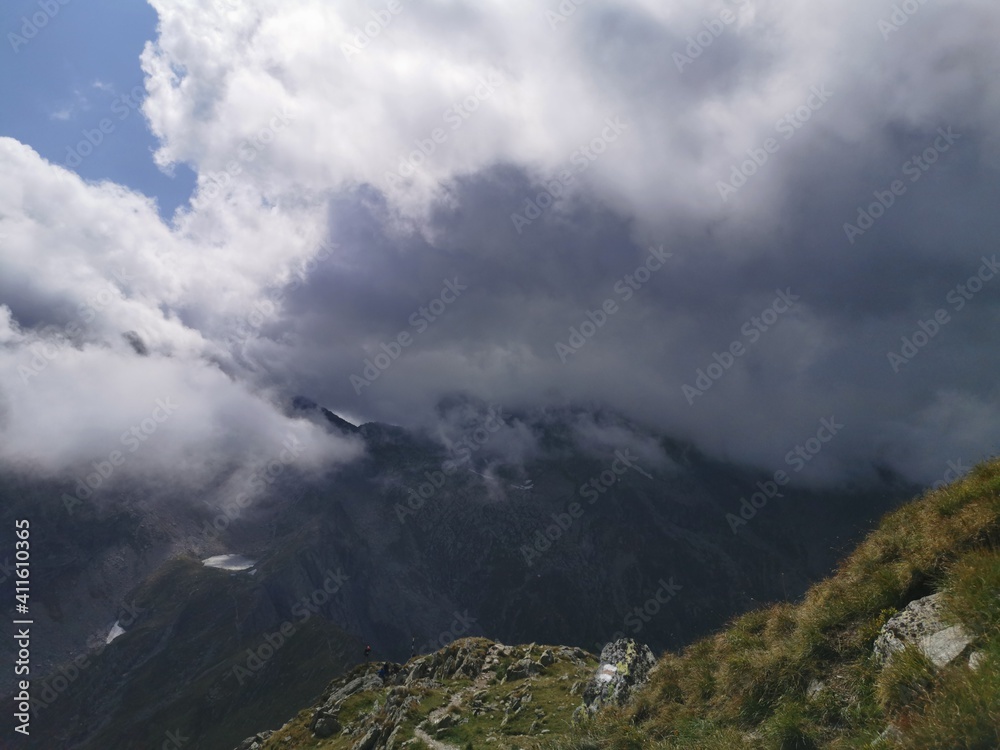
<point x="625" y="665"/>
<point x="921" y="624"/>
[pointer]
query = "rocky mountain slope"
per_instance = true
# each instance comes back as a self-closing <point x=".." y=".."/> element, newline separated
<point x="473" y="693"/>
<point x="474" y="690"/>
<point x="900" y="648"/>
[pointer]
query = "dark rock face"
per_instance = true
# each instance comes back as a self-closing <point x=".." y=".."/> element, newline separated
<point x="625" y="666"/>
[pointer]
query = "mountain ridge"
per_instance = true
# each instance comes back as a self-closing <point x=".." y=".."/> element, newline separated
<point x="868" y="658"/>
<point x="452" y="567"/>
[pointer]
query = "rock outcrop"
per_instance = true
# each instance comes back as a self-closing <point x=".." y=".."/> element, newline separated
<point x="921" y="624"/>
<point x="625" y="665"/>
<point x="256" y="742"/>
<point x="470" y="683"/>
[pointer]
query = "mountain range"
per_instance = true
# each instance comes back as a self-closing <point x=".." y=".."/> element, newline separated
<point x="569" y="526"/>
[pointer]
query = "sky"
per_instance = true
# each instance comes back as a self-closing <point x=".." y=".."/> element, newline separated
<point x="735" y="223"/>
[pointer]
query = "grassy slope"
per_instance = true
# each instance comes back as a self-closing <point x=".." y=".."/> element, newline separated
<point x="746" y="687"/>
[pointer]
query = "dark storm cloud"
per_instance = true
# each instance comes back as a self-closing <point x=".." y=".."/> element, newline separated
<point x="829" y="355"/>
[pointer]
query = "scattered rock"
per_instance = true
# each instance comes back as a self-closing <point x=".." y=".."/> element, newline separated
<point x="889" y="734"/>
<point x="522" y="669"/>
<point x="369" y="741"/>
<point x="921" y="624"/>
<point x="976" y="659"/>
<point x="256" y="742"/>
<point x="324" y="725"/>
<point x="443" y="721"/>
<point x="625" y="665"/>
<point x="815" y="688"/>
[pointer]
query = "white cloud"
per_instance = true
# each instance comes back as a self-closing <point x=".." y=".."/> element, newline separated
<point x="359" y="110"/>
<point x="84" y="264"/>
